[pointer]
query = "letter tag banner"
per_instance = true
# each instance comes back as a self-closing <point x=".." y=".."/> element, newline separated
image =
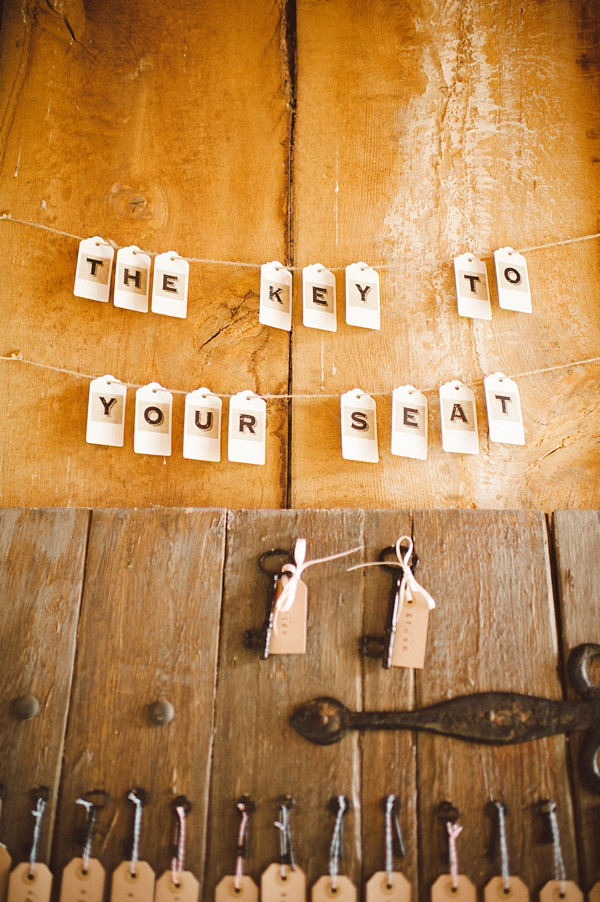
<point x="78" y="886"/>
<point x="377" y="889"/>
<point x="472" y="287"/>
<point x="560" y="891"/>
<point x="128" y="887"/>
<point x="187" y="891"/>
<point x="22" y="889"/>
<point x="513" y="280"/>
<point x="170" y="285"/>
<point x="362" y="296"/>
<point x="5" y="864"/>
<point x="202" y="426"/>
<point x="247" y="429"/>
<point x="323" y="891"/>
<point x="318" y="298"/>
<point x="359" y="427"/>
<point x="132" y="281"/>
<point x="225" y="891"/>
<point x="94" y="268"/>
<point x="289" y="623"/>
<point x="275" y="296"/>
<point x="459" y="418"/>
<point x="495" y="890"/>
<point x="504" y="410"/>
<point x="443" y="889"/>
<point x="277" y="888"/>
<point x="106" y="412"/>
<point x="409" y="422"/>
<point x="153" y="411"/>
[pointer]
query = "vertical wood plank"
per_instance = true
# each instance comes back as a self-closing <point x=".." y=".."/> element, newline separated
<point x="256" y="751"/>
<point x="42" y="554"/>
<point x="149" y="631"/>
<point x="493" y="629"/>
<point x="577" y="546"/>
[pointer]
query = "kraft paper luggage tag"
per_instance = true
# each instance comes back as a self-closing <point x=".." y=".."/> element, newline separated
<point x="289" y="624"/>
<point x="504" y="410"/>
<point x="287" y="885"/>
<point x="22" y="887"/>
<point x="381" y="889"/>
<point x="411" y="629"/>
<point x="459" y="418"/>
<point x="106" y="412"/>
<point x="359" y="427"/>
<point x="94" y="269"/>
<point x="247" y="428"/>
<point x="275" y="296"/>
<point x="594" y="893"/>
<point x="132" y="279"/>
<point x="514" y="292"/>
<point x="362" y="296"/>
<point x="133" y="887"/>
<point x="81" y="884"/>
<point x="186" y="890"/>
<point x="246" y="889"/>
<point x="323" y="890"/>
<point x="445" y="888"/>
<point x="153" y="415"/>
<point x="318" y="298"/>
<point x="5" y="865"/>
<point x="170" y="285"/>
<point x="472" y="287"/>
<point x="512" y="889"/>
<point x="561" y="891"/>
<point x="202" y="426"/>
<point x="409" y="423"/>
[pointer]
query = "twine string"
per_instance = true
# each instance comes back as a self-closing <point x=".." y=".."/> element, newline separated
<point x="38" y="813"/>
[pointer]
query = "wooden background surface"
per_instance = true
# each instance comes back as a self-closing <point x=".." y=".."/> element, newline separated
<point x="399" y="133"/>
<point x="108" y="611"/>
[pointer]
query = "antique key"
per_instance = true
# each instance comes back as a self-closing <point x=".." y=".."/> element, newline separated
<point x="494" y="718"/>
<point x="260" y="640"/>
<point x="383" y="646"/>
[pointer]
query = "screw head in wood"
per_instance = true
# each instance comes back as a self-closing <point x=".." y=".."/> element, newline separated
<point x="161" y="713"/>
<point x="25" y="707"/>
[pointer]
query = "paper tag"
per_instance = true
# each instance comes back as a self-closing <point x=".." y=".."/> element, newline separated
<point x="275" y="296"/>
<point x="323" y="892"/>
<point x="513" y="280"/>
<point x="359" y="427"/>
<point x="187" y="891"/>
<point x="362" y="296"/>
<point x="594" y="893"/>
<point x="79" y="887"/>
<point x="225" y="890"/>
<point x="275" y="888"/>
<point x="378" y="890"/>
<point x="170" y="285"/>
<point x="132" y="281"/>
<point x="318" y="298"/>
<point x="459" y="418"/>
<point x="560" y="891"/>
<point x="496" y="891"/>
<point x="94" y="269"/>
<point x="289" y="627"/>
<point x="128" y="887"/>
<point x="153" y="414"/>
<point x="504" y="410"/>
<point x="106" y="412"/>
<point x="411" y="631"/>
<point x="472" y="287"/>
<point x="202" y="426"/>
<point x="23" y="888"/>
<point x="409" y="422"/>
<point x="442" y="889"/>
<point x="5" y="863"/>
<point x="247" y="428"/>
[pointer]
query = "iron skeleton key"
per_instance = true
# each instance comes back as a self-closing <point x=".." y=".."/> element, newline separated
<point x="494" y="718"/>
<point x="383" y="646"/>
<point x="260" y="640"/>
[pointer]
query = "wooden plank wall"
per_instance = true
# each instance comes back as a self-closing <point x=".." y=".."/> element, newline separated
<point x="108" y="611"/>
<point x="399" y="133"/>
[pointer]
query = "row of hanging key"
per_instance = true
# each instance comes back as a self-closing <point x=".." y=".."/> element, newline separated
<point x="83" y="878"/>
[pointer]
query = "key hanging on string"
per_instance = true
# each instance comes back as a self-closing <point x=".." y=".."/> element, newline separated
<point x="453" y="883"/>
<point x="284" y="882"/>
<point x="83" y="878"/>
<point x="32" y="881"/>
<point x="5" y="858"/>
<point x="336" y="885"/>
<point x="560" y="889"/>
<point x="390" y="884"/>
<point x="239" y="885"/>
<point x="133" y="881"/>
<point x="505" y="886"/>
<point x="177" y="884"/>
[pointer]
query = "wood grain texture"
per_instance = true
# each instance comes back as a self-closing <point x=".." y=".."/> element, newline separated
<point x="169" y="131"/>
<point x="424" y="131"/>
<point x="577" y="544"/>
<point x="493" y="629"/>
<point x="42" y="554"/>
<point x="256" y="751"/>
<point x="148" y="631"/>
